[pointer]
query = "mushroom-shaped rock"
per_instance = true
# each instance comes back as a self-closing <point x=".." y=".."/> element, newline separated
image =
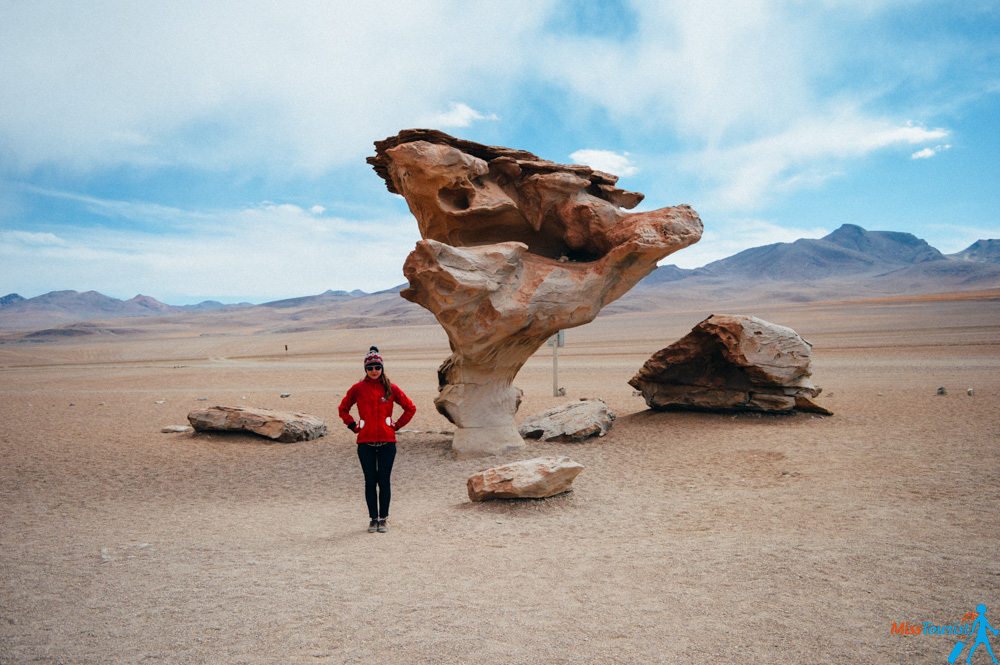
<point x="570" y="422"/>
<point x="731" y="363"/>
<point x="515" y="249"/>
<point x="529" y="479"/>
<point x="283" y="426"/>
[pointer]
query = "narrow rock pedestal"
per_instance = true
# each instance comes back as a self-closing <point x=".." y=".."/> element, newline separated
<point x="515" y="249"/>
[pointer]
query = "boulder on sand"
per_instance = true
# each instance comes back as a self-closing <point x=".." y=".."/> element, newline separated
<point x="731" y="363"/>
<point x="570" y="422"/>
<point x="529" y="479"/>
<point x="283" y="426"/>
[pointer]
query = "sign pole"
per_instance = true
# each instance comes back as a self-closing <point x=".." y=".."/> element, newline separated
<point x="555" y="369"/>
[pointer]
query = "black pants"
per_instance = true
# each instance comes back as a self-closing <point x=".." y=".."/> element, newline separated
<point x="376" y="462"/>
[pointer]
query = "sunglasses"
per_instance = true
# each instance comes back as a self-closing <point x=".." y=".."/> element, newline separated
<point x="369" y="368"/>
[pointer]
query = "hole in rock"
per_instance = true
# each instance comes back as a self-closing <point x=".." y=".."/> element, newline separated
<point x="581" y="257"/>
<point x="454" y="198"/>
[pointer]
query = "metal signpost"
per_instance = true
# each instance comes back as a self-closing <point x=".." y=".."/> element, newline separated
<point x="557" y="340"/>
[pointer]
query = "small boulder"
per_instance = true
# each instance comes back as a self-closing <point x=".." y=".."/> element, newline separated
<point x="529" y="479"/>
<point x="571" y="422"/>
<point x="176" y="429"/>
<point x="283" y="426"/>
<point x="732" y="363"/>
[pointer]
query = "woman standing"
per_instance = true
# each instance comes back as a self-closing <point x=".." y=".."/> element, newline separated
<point x="375" y="396"/>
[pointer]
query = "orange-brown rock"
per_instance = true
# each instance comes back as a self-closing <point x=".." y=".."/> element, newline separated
<point x="515" y="249"/>
<point x="529" y="479"/>
<point x="732" y="363"/>
<point x="281" y="426"/>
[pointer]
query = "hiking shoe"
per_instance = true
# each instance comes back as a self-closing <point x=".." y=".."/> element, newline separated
<point x="382" y="526"/>
<point x="372" y="526"/>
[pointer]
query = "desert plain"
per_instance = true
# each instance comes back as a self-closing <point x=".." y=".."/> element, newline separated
<point x="689" y="537"/>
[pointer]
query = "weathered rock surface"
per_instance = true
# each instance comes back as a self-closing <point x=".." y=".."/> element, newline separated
<point x="515" y="249"/>
<point x="283" y="426"/>
<point x="570" y="422"/>
<point x="731" y="363"/>
<point x="529" y="479"/>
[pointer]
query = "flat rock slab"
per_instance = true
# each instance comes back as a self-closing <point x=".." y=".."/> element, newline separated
<point x="732" y="363"/>
<point x="284" y="426"/>
<point x="572" y="422"/>
<point x="529" y="479"/>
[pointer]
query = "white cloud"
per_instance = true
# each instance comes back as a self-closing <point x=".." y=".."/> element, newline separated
<point x="927" y="153"/>
<point x="302" y="90"/>
<point x="805" y="154"/>
<point x="605" y="160"/>
<point x="459" y="115"/>
<point x="697" y="69"/>
<point x="31" y="239"/>
<point x="268" y="251"/>
<point x="763" y="97"/>
<point x="723" y="238"/>
<point x="213" y="84"/>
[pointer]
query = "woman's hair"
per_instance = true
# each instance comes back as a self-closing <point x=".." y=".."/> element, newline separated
<point x="386" y="383"/>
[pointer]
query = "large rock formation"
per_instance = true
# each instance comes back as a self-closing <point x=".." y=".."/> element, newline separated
<point x="515" y="249"/>
<point x="529" y="479"/>
<point x="283" y="426"/>
<point x="739" y="363"/>
<point x="570" y="422"/>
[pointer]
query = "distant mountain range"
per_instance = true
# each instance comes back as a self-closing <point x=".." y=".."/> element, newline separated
<point x="850" y="250"/>
<point x="70" y="306"/>
<point x="848" y="263"/>
<point x="883" y="260"/>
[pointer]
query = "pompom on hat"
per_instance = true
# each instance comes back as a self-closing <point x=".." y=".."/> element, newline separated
<point x="373" y="357"/>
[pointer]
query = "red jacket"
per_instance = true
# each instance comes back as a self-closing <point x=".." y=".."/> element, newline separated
<point x="375" y="410"/>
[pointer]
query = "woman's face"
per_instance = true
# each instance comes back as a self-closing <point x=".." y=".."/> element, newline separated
<point x="374" y="371"/>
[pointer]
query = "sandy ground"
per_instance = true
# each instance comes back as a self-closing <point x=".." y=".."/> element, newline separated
<point x="688" y="538"/>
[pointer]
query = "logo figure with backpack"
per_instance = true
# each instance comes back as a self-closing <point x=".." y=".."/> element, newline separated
<point x="979" y="629"/>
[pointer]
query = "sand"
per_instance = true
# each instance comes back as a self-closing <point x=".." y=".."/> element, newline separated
<point x="689" y="537"/>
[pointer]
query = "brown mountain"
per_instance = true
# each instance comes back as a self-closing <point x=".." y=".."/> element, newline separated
<point x="850" y="250"/>
<point x="981" y="251"/>
<point x="851" y="262"/>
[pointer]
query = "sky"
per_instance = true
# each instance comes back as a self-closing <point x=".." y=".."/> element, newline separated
<point x="216" y="150"/>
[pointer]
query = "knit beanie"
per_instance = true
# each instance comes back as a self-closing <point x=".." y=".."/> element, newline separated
<point x="373" y="357"/>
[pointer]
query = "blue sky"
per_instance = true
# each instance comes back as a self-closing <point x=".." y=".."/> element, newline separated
<point x="192" y="150"/>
